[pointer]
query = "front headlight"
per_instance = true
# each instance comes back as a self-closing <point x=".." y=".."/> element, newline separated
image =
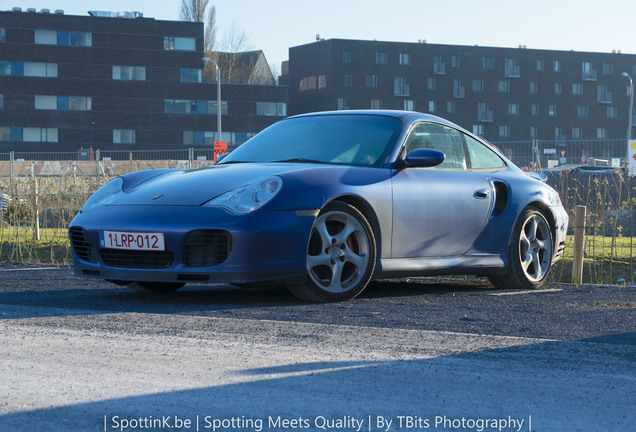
<point x="105" y="195"/>
<point x="248" y="198"/>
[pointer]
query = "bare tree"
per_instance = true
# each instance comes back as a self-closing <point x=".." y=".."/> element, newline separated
<point x="193" y="10"/>
<point x="234" y="41"/>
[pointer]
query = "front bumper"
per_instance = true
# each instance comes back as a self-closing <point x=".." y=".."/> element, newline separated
<point x="265" y="246"/>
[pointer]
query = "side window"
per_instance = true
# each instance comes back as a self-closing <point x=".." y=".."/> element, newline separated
<point x="481" y="157"/>
<point x="439" y="137"/>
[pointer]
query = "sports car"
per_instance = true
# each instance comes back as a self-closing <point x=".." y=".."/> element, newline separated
<point x="324" y="203"/>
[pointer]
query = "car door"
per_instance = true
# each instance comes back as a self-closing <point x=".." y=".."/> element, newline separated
<point x="438" y="211"/>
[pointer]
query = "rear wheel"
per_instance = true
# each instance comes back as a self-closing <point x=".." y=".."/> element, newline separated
<point x="155" y="287"/>
<point x="530" y="255"/>
<point x="340" y="257"/>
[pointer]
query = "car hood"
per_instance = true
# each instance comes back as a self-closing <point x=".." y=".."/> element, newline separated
<point x="193" y="188"/>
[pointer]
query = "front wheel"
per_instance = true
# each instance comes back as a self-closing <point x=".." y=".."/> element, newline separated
<point x="340" y="257"/>
<point x="530" y="254"/>
<point x="155" y="287"/>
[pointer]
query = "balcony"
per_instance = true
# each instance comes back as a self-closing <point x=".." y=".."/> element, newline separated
<point x="604" y="97"/>
<point x="485" y="116"/>
<point x="402" y="90"/>
<point x="512" y="72"/>
<point x="589" y="75"/>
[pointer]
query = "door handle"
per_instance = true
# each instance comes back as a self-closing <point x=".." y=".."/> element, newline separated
<point x="482" y="193"/>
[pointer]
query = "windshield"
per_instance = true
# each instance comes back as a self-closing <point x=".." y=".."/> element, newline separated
<point x="361" y="140"/>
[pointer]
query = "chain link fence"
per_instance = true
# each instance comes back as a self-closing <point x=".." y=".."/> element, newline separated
<point x="40" y="193"/>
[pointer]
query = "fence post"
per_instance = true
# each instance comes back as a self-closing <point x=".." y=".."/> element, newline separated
<point x="579" y="244"/>
<point x="35" y="203"/>
<point x="11" y="160"/>
<point x="191" y="158"/>
<point x="97" y="154"/>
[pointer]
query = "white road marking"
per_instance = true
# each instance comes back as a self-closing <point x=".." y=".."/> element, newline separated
<point x="31" y="268"/>
<point x="540" y="291"/>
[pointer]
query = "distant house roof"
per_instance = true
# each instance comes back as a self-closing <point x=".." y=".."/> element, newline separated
<point x="249" y="67"/>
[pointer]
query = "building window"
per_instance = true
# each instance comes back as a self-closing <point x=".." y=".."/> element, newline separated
<point x="478" y="130"/>
<point x="439" y="67"/>
<point x="371" y="81"/>
<point x="307" y="83"/>
<point x="431" y="106"/>
<point x="534" y="110"/>
<point x="504" y="131"/>
<point x="409" y="105"/>
<point x="63" y="103"/>
<point x="376" y="103"/>
<point x="511" y="70"/>
<point x="212" y="108"/>
<point x="175" y="43"/>
<point x="588" y="73"/>
<point x="577" y="89"/>
<point x="488" y="63"/>
<point x="381" y="57"/>
<point x="534" y="87"/>
<point x="450" y="107"/>
<point x="455" y="61"/>
<point x="552" y="110"/>
<point x="346" y="56"/>
<point x="504" y="86"/>
<point x="558" y="88"/>
<point x="348" y="80"/>
<point x="1" y="101"/>
<point x="540" y="65"/>
<point x="577" y="133"/>
<point x="478" y="85"/>
<point x="63" y="38"/>
<point x="513" y="109"/>
<point x="187" y="106"/>
<point x="189" y="75"/>
<point x="603" y="95"/>
<point x="342" y="103"/>
<point x="611" y="112"/>
<point x="400" y="87"/>
<point x="556" y="66"/>
<point x="404" y="59"/>
<point x="601" y="133"/>
<point x="275" y="109"/>
<point x="123" y="136"/>
<point x="583" y="111"/>
<point x="322" y="81"/>
<point x="129" y="73"/>
<point x="459" y="92"/>
<point x="28" y="134"/>
<point x="534" y="132"/>
<point x="3" y="35"/>
<point x="608" y="68"/>
<point x="431" y="83"/>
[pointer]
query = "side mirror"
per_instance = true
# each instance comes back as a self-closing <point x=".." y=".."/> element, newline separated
<point x="421" y="158"/>
<point x="220" y="157"/>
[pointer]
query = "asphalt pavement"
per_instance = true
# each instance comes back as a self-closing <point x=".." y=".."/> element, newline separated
<point x="413" y="354"/>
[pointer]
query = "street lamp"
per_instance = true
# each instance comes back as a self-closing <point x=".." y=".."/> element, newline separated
<point x="218" y="96"/>
<point x="631" y="114"/>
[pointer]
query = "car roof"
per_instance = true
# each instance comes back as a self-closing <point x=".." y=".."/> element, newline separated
<point x="405" y="116"/>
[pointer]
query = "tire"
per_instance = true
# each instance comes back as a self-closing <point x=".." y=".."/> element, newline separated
<point x="340" y="256"/>
<point x="155" y="287"/>
<point x="530" y="252"/>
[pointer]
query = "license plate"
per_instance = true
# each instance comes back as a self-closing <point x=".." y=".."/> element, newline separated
<point x="127" y="240"/>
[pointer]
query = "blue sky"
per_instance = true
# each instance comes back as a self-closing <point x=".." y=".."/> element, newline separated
<point x="275" y="25"/>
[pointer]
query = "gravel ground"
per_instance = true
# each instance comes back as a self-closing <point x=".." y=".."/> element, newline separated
<point x="84" y="355"/>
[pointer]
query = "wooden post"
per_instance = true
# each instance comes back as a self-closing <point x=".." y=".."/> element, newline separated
<point x="579" y="244"/>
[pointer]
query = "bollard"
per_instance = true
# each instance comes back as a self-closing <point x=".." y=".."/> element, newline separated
<point x="579" y="244"/>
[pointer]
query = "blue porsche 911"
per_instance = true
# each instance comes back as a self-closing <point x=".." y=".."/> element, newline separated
<point x="323" y="203"/>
